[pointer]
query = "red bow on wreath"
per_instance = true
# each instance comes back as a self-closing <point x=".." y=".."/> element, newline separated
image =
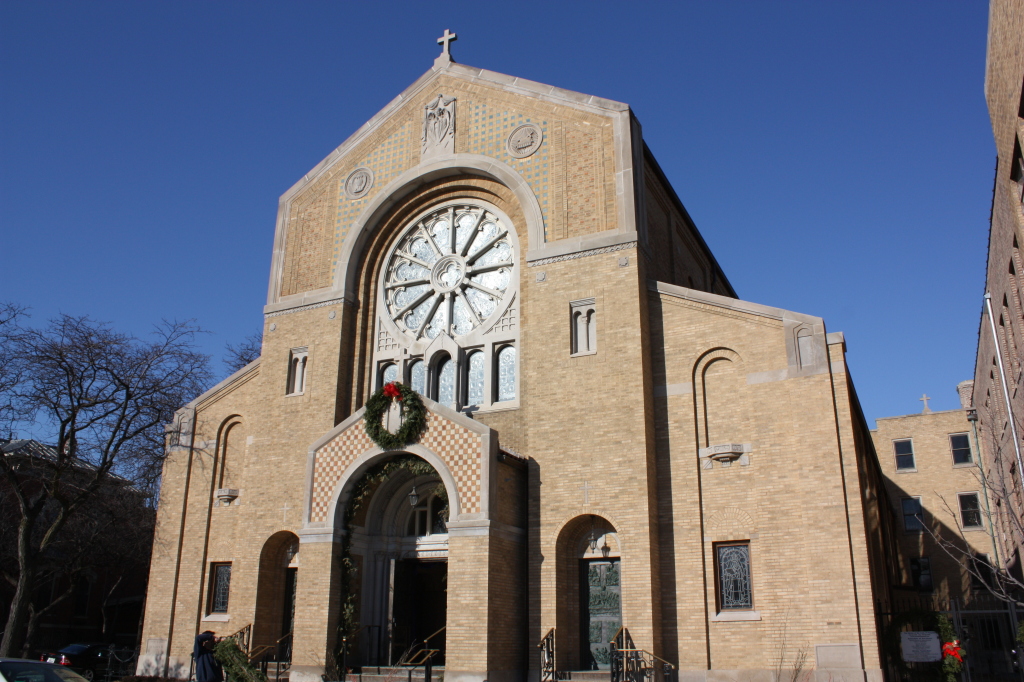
<point x="391" y="391"/>
<point x="952" y="649"/>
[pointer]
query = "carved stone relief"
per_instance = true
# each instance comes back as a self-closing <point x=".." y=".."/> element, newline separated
<point x="358" y="183"/>
<point x="439" y="127"/>
<point x="525" y="140"/>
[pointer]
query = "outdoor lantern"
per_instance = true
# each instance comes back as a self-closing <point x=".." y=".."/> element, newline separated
<point x="593" y="535"/>
<point x="605" y="549"/>
<point x="414" y="498"/>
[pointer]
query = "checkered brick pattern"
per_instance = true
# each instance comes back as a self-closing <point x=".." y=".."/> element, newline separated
<point x="331" y="462"/>
<point x="458" y="447"/>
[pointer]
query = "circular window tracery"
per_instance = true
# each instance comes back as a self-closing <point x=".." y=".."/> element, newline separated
<point x="449" y="272"/>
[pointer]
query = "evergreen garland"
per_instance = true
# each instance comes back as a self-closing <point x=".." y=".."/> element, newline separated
<point x="414" y="414"/>
<point x="361" y="494"/>
<point x="235" y="663"/>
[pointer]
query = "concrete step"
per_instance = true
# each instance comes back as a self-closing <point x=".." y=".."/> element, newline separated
<point x="384" y="674"/>
<point x="587" y="675"/>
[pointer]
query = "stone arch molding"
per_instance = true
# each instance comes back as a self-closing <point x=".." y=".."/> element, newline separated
<point x="731" y="520"/>
<point x="344" y="279"/>
<point x="462" y="451"/>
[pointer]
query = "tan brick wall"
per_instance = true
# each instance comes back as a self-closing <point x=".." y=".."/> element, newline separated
<point x="936" y="480"/>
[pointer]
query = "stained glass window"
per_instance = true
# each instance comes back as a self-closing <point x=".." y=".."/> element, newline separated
<point x="734" y="577"/>
<point x="446" y="382"/>
<point x="220" y="587"/>
<point x="475" y="376"/>
<point x="449" y="271"/>
<point x="507" y="373"/>
<point x="418" y="377"/>
<point x="389" y="374"/>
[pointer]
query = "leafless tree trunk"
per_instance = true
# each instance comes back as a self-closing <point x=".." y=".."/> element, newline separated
<point x="105" y="398"/>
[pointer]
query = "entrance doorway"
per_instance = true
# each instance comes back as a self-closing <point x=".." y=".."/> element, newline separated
<point x="600" y="610"/>
<point x="420" y="607"/>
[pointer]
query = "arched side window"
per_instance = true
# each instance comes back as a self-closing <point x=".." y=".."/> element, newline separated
<point x="297" y="361"/>
<point x="427" y="517"/>
<point x="389" y="373"/>
<point x="583" y="329"/>
<point x="418" y="377"/>
<point x="506" y="374"/>
<point x="475" y="378"/>
<point x="444" y="389"/>
<point x="806" y="348"/>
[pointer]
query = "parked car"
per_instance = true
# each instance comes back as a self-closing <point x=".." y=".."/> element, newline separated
<point x="88" y="660"/>
<point x="24" y="670"/>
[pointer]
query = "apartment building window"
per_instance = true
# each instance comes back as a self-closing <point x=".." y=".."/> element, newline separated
<point x="921" y="572"/>
<point x="904" y="450"/>
<point x="981" y="571"/>
<point x="912" y="514"/>
<point x="960" y="445"/>
<point x="220" y="587"/>
<point x="732" y="576"/>
<point x="970" y="510"/>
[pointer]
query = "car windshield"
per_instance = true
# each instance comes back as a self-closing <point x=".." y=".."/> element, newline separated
<point x="31" y="671"/>
<point x="74" y="649"/>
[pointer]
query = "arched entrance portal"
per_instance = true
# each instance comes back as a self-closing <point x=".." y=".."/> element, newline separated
<point x="275" y="593"/>
<point x="396" y="517"/>
<point x="589" y="608"/>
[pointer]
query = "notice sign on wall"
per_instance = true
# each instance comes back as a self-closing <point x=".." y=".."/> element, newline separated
<point x="921" y="647"/>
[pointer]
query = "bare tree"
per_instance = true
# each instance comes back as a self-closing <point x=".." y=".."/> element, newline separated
<point x="102" y="398"/>
<point x="237" y="357"/>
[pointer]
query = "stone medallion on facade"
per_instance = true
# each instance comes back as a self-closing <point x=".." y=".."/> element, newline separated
<point x="525" y="140"/>
<point x="358" y="183"/>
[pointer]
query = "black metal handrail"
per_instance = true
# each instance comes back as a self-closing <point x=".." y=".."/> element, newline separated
<point x="630" y="664"/>
<point x="243" y="638"/>
<point x="548" y="670"/>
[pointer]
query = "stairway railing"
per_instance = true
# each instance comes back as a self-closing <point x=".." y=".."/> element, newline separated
<point x="630" y="664"/>
<point x="243" y="638"/>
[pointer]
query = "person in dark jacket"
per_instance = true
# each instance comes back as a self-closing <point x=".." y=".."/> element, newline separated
<point x="207" y="667"/>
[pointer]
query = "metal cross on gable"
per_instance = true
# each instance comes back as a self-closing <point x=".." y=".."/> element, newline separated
<point x="924" y="398"/>
<point x="444" y="40"/>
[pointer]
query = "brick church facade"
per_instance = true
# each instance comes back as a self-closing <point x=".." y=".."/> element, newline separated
<point x="613" y="438"/>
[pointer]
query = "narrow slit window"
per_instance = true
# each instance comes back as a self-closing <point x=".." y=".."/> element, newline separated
<point x="446" y="382"/>
<point x="583" y="327"/>
<point x="389" y="374"/>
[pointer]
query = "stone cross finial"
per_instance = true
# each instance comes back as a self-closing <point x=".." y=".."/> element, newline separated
<point x="446" y="55"/>
<point x="924" y="398"/>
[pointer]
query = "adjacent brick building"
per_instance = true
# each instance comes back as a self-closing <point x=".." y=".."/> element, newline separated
<point x="614" y="438"/>
<point x="998" y="392"/>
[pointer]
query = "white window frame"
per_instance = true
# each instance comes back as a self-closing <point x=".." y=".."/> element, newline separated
<point x="920" y="515"/>
<point x="960" y="511"/>
<point x="895" y="457"/>
<point x="970" y="450"/>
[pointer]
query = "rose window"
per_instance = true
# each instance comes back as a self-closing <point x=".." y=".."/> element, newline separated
<point x="449" y="272"/>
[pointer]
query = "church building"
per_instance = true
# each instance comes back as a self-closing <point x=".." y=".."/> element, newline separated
<point x="580" y="438"/>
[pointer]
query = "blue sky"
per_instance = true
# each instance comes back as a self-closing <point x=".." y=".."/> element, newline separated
<point x="837" y="157"/>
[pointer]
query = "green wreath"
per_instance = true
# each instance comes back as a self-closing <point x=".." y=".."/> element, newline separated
<point x="414" y="415"/>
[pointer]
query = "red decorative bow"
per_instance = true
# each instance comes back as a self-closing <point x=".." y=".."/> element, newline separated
<point x="391" y="391"/>
<point x="952" y="649"/>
